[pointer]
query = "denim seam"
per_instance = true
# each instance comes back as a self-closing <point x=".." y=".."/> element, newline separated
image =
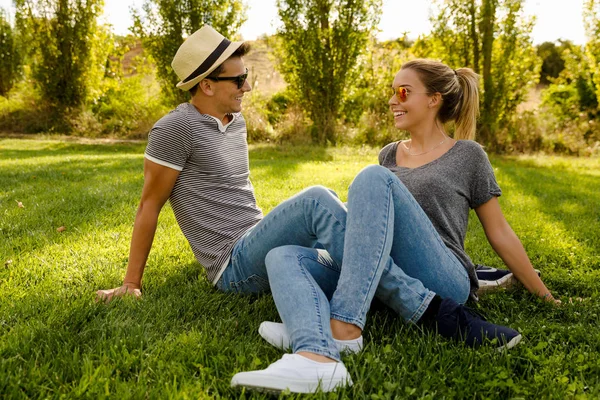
<point x="316" y="300"/>
<point x="421" y="310"/>
<point x="347" y="320"/>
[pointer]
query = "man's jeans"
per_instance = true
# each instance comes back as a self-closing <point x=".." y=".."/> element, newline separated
<point x="391" y="250"/>
<point x="315" y="214"/>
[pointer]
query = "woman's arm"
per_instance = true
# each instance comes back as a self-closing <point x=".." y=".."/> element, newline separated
<point x="508" y="246"/>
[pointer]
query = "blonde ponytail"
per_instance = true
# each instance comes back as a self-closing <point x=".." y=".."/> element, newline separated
<point x="468" y="110"/>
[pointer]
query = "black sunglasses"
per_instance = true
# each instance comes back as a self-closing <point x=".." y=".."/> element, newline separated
<point x="239" y="80"/>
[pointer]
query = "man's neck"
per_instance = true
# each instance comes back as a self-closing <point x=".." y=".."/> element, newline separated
<point x="204" y="109"/>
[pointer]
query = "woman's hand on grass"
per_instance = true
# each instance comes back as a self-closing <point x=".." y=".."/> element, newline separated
<point x="125" y="290"/>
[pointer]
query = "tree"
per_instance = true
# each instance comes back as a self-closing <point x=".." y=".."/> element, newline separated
<point x="321" y="41"/>
<point x="591" y="19"/>
<point x="494" y="39"/>
<point x="552" y="61"/>
<point x="165" y="23"/>
<point x="10" y="61"/>
<point x="62" y="37"/>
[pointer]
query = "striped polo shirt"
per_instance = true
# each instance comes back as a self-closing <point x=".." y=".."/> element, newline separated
<point x="213" y="199"/>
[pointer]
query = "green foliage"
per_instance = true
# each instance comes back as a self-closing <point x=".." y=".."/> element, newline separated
<point x="563" y="100"/>
<point x="321" y="41"/>
<point x="10" y="59"/>
<point x="184" y="339"/>
<point x="67" y="49"/>
<point x="570" y="103"/>
<point x="578" y="75"/>
<point x="164" y="25"/>
<point x="494" y="39"/>
<point x="552" y="61"/>
<point x="591" y="18"/>
<point x="24" y="111"/>
<point x="129" y="106"/>
<point x="366" y="106"/>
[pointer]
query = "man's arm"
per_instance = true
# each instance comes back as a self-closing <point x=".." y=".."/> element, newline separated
<point x="158" y="184"/>
<point x="508" y="246"/>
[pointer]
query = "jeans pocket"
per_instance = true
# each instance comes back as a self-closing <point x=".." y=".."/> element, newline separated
<point x="253" y="284"/>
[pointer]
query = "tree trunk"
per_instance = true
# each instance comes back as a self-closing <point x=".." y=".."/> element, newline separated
<point x="474" y="36"/>
<point x="487" y="31"/>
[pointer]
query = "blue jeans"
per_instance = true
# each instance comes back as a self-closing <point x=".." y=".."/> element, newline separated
<point x="391" y="251"/>
<point x="314" y="214"/>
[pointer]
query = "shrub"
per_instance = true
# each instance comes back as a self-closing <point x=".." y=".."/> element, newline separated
<point x="129" y="106"/>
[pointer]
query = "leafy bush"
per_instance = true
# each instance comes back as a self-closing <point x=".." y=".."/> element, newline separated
<point x="129" y="106"/>
<point x="23" y="110"/>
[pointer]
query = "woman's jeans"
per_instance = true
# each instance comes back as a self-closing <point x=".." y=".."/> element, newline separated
<point x="391" y="251"/>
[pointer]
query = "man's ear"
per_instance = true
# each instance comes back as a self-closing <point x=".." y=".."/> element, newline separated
<point x="207" y="87"/>
<point x="435" y="100"/>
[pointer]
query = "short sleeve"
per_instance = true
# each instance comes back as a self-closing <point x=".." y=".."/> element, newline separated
<point x="483" y="184"/>
<point x="384" y="154"/>
<point x="169" y="141"/>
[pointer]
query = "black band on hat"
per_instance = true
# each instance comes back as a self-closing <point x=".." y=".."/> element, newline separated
<point x="210" y="60"/>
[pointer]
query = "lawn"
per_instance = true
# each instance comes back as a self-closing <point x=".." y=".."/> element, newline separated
<point x="183" y="339"/>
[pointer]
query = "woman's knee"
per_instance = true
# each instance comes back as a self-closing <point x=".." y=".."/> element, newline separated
<point x="375" y="172"/>
<point x="279" y="257"/>
<point x="373" y="175"/>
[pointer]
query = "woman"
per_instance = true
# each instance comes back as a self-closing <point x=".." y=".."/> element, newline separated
<point x="404" y="241"/>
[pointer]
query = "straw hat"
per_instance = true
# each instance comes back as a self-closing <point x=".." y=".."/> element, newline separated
<point x="200" y="54"/>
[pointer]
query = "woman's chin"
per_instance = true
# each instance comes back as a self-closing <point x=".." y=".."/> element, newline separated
<point x="400" y="125"/>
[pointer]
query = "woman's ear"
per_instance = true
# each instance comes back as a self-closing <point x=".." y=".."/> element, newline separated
<point x="435" y="99"/>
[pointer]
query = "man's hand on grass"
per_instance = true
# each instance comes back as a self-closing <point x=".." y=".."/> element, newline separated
<point x="125" y="290"/>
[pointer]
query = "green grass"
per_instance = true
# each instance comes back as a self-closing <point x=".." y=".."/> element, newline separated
<point x="184" y="339"/>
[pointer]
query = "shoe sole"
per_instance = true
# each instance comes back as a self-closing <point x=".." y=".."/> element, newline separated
<point x="512" y="343"/>
<point x="267" y="334"/>
<point x="266" y="385"/>
<point x="506" y="282"/>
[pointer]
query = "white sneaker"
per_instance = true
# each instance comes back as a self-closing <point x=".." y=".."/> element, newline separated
<point x="276" y="334"/>
<point x="297" y="374"/>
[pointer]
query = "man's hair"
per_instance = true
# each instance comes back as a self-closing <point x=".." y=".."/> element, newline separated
<point x="239" y="52"/>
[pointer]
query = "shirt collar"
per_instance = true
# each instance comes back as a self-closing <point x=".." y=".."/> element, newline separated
<point x="223" y="128"/>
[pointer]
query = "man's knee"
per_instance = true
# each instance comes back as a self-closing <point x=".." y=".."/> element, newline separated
<point x="318" y="192"/>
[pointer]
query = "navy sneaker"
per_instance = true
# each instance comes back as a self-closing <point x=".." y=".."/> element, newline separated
<point x="491" y="279"/>
<point x="460" y="323"/>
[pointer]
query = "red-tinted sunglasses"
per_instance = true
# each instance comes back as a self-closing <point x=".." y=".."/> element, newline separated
<point x="402" y="93"/>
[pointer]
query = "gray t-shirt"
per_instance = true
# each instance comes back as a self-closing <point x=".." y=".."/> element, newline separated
<point x="213" y="199"/>
<point x="447" y="188"/>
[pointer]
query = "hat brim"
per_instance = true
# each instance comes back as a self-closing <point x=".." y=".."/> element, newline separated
<point x="185" y="86"/>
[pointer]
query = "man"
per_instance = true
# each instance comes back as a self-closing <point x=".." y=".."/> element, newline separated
<point x="197" y="157"/>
